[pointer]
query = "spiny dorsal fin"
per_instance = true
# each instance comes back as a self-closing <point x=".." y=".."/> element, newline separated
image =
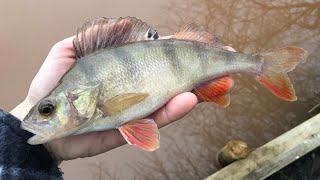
<point x="106" y="32"/>
<point x="193" y="32"/>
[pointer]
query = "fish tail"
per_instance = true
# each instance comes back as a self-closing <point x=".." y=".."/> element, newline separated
<point x="275" y="67"/>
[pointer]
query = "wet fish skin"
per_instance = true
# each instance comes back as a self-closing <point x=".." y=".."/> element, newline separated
<point x="157" y="75"/>
<point x="117" y="85"/>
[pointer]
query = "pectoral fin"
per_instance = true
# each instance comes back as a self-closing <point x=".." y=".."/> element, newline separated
<point x="121" y="102"/>
<point x="141" y="133"/>
<point x="216" y="91"/>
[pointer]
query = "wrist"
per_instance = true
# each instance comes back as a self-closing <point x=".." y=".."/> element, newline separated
<point x="52" y="154"/>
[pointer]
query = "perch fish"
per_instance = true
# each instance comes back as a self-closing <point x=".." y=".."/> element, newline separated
<point x="120" y="78"/>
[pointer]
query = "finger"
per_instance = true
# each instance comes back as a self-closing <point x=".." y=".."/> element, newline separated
<point x="175" y="109"/>
<point x="109" y="140"/>
<point x="85" y="145"/>
<point x="99" y="142"/>
<point x="66" y="43"/>
<point x="229" y="48"/>
<point x="61" y="56"/>
<point x="59" y="60"/>
<point x="62" y="49"/>
<point x="166" y="37"/>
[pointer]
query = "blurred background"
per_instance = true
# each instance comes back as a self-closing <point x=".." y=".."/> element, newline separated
<point x="28" y="30"/>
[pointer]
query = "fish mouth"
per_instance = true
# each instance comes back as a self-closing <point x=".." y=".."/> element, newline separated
<point x="45" y="132"/>
<point x="31" y="128"/>
<point x="36" y="139"/>
<point x="39" y="136"/>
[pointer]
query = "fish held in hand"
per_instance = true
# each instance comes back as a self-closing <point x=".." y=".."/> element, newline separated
<point x="124" y="73"/>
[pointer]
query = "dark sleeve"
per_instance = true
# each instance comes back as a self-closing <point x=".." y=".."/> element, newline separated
<point x="18" y="159"/>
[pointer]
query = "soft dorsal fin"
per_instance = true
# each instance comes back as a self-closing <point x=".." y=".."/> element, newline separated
<point x="193" y="32"/>
<point x="106" y="32"/>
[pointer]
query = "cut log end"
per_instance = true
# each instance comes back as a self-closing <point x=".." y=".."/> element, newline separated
<point x="233" y="151"/>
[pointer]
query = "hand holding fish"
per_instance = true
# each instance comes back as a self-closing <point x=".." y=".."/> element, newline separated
<point x="128" y="82"/>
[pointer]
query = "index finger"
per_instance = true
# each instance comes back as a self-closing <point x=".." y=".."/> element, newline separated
<point x="175" y="109"/>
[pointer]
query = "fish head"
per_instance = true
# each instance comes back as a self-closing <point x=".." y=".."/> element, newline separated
<point x="61" y="115"/>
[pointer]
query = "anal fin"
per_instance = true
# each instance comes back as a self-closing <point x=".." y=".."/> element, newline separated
<point x="216" y="91"/>
<point x="143" y="134"/>
<point x="223" y="101"/>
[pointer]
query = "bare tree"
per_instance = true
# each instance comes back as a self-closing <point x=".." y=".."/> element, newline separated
<point x="254" y="115"/>
<point x="189" y="147"/>
<point x="102" y="171"/>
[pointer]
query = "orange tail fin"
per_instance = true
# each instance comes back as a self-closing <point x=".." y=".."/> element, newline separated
<point x="276" y="65"/>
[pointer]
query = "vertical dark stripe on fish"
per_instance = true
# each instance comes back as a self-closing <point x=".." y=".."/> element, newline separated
<point x="171" y="55"/>
<point x="128" y="62"/>
<point x="204" y="62"/>
<point x="229" y="56"/>
<point x="84" y="70"/>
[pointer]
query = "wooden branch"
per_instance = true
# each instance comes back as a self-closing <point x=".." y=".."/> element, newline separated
<point x="276" y="154"/>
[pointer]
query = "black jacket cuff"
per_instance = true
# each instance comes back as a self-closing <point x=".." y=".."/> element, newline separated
<point x="18" y="159"/>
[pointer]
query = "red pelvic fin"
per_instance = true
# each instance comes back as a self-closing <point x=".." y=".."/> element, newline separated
<point x="223" y="101"/>
<point x="216" y="91"/>
<point x="141" y="133"/>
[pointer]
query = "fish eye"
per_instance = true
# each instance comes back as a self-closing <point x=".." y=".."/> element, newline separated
<point x="46" y="107"/>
